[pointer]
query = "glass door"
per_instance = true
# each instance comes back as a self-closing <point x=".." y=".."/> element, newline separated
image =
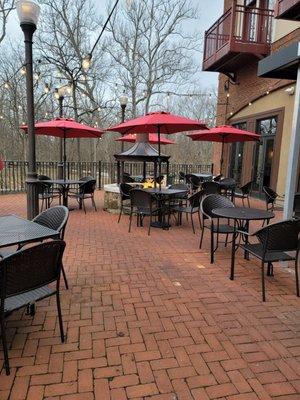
<point x="236" y="157"/>
<point x="263" y="154"/>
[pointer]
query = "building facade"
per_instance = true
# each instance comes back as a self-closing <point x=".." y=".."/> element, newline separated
<point x="248" y="31"/>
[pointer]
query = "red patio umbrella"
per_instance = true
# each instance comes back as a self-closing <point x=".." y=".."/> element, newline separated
<point x="153" y="139"/>
<point x="158" y="122"/>
<point x="224" y="134"/>
<point x="65" y="128"/>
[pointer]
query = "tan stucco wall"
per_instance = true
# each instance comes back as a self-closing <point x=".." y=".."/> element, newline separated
<point x="275" y="100"/>
<point x="283" y="28"/>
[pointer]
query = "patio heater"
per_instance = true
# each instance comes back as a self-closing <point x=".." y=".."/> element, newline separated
<point x="123" y="103"/>
<point x="28" y="13"/>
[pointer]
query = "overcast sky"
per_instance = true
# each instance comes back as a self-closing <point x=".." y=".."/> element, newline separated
<point x="209" y="12"/>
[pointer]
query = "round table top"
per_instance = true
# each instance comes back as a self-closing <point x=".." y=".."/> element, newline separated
<point x="165" y="191"/>
<point x="62" y="182"/>
<point x="243" y="213"/>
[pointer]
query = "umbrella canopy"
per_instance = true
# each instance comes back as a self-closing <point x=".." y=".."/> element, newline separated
<point x="65" y="128"/>
<point x="224" y="134"/>
<point x="153" y="139"/>
<point x="158" y="122"/>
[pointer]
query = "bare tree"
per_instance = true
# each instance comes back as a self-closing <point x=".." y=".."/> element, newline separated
<point x="6" y="7"/>
<point x="149" y="50"/>
<point x="64" y="40"/>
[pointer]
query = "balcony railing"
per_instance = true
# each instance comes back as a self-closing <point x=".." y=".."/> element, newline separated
<point x="288" y="9"/>
<point x="240" y="30"/>
<point x="13" y="175"/>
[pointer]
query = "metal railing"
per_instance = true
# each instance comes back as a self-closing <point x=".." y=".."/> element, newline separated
<point x="240" y="24"/>
<point x="13" y="175"/>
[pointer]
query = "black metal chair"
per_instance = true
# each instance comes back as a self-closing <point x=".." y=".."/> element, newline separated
<point x="194" y="182"/>
<point x="192" y="207"/>
<point x="209" y="187"/>
<point x="141" y="204"/>
<point x="227" y="187"/>
<point x="270" y="197"/>
<point x="217" y="178"/>
<point x="85" y="191"/>
<point x="126" y="178"/>
<point x="208" y="204"/>
<point x="181" y="176"/>
<point x="57" y="192"/>
<point x="297" y="206"/>
<point x="24" y="279"/>
<point x="124" y="197"/>
<point x="274" y="241"/>
<point x="244" y="193"/>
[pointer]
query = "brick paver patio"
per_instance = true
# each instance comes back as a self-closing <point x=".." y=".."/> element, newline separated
<point x="150" y="318"/>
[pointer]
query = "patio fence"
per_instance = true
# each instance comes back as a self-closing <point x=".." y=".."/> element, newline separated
<point x="13" y="175"/>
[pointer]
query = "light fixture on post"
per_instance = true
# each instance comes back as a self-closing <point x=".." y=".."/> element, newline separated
<point x="28" y="13"/>
<point x="123" y="103"/>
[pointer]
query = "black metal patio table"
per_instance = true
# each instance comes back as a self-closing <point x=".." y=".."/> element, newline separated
<point x="65" y="185"/>
<point x="161" y="195"/>
<point x="15" y="230"/>
<point x="242" y="216"/>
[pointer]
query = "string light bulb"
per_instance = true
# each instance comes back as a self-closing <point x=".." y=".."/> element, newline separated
<point x="47" y="88"/>
<point x="23" y="70"/>
<point x="56" y="94"/>
<point x="6" y="85"/>
<point x="86" y="62"/>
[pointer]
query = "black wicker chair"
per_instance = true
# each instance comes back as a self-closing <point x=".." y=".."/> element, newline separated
<point x="270" y="197"/>
<point x="126" y="178"/>
<point x="244" y="193"/>
<point x="208" y="204"/>
<point x="181" y="176"/>
<point x="217" y="178"/>
<point x="141" y="204"/>
<point x="297" y="206"/>
<point x="124" y="197"/>
<point x="194" y="182"/>
<point x="85" y="191"/>
<point x="55" y="218"/>
<point x="227" y="187"/>
<point x="192" y="207"/>
<point x="46" y="192"/>
<point x="274" y="241"/>
<point x="24" y="279"/>
<point x="209" y="187"/>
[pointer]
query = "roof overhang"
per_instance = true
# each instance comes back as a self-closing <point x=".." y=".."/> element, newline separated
<point x="283" y="64"/>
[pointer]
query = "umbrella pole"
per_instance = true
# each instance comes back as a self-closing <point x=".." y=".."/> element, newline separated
<point x="159" y="161"/>
<point x="222" y="156"/>
<point x="65" y="156"/>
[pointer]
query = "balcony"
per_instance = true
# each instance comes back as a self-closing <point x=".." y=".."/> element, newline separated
<point x="240" y="33"/>
<point x="288" y="9"/>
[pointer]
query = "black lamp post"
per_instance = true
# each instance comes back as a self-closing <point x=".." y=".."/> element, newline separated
<point x="28" y="13"/>
<point x="123" y="103"/>
<point x="60" y="94"/>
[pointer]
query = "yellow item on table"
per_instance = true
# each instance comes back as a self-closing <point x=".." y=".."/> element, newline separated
<point x="148" y="184"/>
